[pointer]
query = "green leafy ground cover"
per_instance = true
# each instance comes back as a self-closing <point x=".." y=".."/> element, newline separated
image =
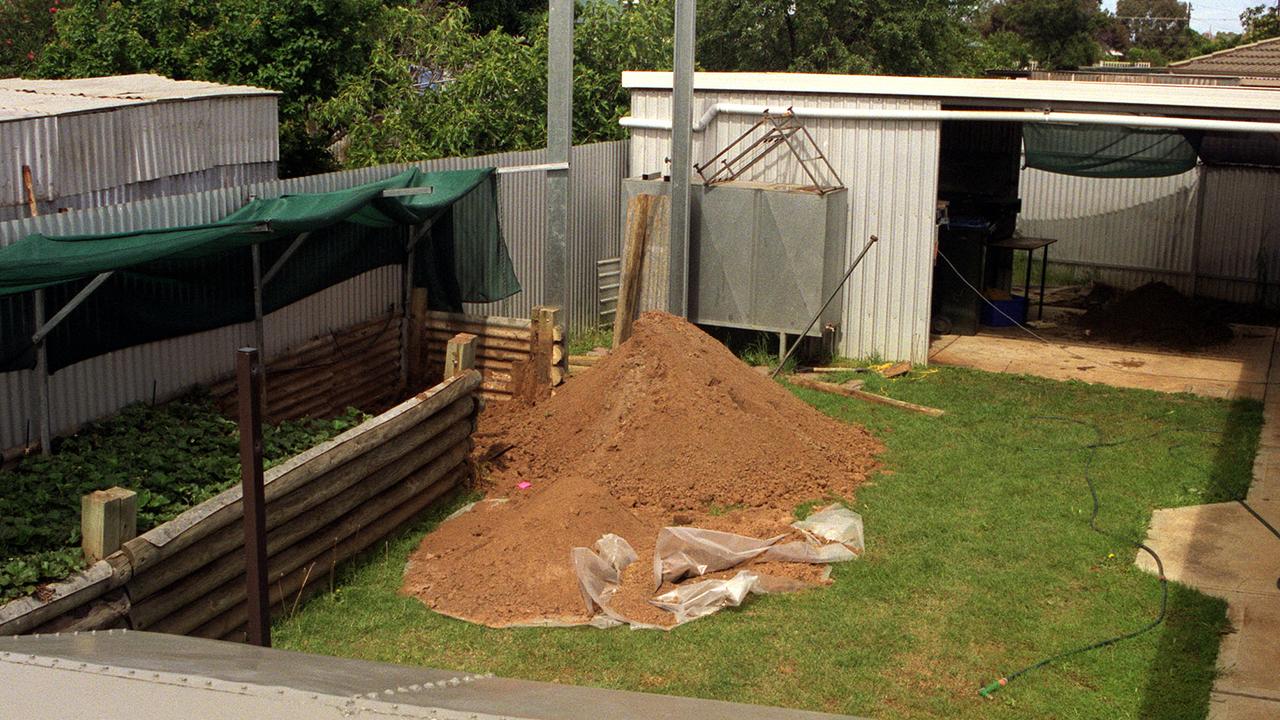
<point x="174" y="456"/>
<point x="979" y="561"/>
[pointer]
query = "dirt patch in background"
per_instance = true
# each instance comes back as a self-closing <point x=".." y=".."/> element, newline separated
<point x="1156" y="314"/>
<point x="670" y="429"/>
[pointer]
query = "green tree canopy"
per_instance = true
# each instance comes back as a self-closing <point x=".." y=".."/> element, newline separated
<point x="1260" y="22"/>
<point x="1060" y="32"/>
<point x="1157" y="25"/>
<point x="433" y="88"/>
<point x="927" y="37"/>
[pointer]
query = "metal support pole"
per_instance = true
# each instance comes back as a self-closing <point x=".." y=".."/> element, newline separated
<point x="559" y="146"/>
<point x="681" y="156"/>
<point x="249" y="390"/>
<point x="42" y="380"/>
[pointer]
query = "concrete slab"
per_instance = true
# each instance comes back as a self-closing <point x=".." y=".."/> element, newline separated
<point x="1237" y="369"/>
<point x="1249" y="659"/>
<point x="1219" y="549"/>
<point x="1224" y="706"/>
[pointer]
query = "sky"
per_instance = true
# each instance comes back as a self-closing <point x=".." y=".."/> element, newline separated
<point x="1216" y="15"/>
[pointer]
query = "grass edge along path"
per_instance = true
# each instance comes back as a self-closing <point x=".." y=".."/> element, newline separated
<point x="979" y="561"/>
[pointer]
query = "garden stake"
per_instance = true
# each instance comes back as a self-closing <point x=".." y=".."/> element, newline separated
<point x="814" y="321"/>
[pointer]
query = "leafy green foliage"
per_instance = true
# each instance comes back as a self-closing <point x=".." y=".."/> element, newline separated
<point x="434" y="88"/>
<point x="26" y="26"/>
<point x="924" y="37"/>
<point x="1260" y="22"/>
<point x="174" y="456"/>
<point x="1059" y="32"/>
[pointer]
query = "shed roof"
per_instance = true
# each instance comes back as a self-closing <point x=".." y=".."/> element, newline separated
<point x="22" y="98"/>
<point x="1260" y="59"/>
<point x="1199" y="101"/>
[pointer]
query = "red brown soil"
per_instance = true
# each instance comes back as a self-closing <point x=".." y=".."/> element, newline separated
<point x="671" y="428"/>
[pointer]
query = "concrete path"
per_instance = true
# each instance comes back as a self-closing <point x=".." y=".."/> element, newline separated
<point x="1227" y="550"/>
<point x="1237" y="369"/>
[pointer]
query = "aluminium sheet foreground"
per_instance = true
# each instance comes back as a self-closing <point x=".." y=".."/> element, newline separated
<point x="128" y="675"/>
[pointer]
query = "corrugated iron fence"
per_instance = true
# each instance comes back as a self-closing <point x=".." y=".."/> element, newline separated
<point x="155" y="371"/>
<point x="1214" y="230"/>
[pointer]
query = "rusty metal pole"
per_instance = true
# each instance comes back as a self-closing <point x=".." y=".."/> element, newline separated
<point x="249" y="390"/>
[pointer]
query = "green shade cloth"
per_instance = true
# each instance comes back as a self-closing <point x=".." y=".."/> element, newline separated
<point x="175" y="281"/>
<point x="1103" y="151"/>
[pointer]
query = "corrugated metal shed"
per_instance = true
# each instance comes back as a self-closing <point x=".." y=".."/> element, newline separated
<point x="104" y="384"/>
<point x="891" y="170"/>
<point x="112" y="139"/>
<point x="1143" y="228"/>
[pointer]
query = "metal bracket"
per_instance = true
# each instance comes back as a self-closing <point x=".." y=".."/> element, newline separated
<point x="407" y="191"/>
<point x="71" y="305"/>
<point x="289" y="251"/>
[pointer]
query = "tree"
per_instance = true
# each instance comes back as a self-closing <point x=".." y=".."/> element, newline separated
<point x="927" y="37"/>
<point x="1260" y="22"/>
<point x="1159" y="25"/>
<point x="26" y="26"/>
<point x="433" y="88"/>
<point x="1060" y="32"/>
<point x="301" y="48"/>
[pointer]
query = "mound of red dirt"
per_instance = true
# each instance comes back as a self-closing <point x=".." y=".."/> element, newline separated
<point x="670" y="429"/>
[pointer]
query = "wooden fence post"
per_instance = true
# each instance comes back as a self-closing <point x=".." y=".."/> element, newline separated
<point x="108" y="519"/>
<point x="549" y="367"/>
<point x="459" y="355"/>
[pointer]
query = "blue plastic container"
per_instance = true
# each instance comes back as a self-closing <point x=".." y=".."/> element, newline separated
<point x="1015" y="307"/>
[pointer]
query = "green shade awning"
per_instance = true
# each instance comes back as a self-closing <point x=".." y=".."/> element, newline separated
<point x="1104" y="151"/>
<point x="174" y="281"/>
<point x="40" y="261"/>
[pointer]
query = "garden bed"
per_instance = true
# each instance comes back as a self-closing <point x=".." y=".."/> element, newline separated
<point x="175" y="456"/>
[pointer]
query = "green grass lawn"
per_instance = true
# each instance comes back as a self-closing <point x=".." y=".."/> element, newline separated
<point x="979" y="561"/>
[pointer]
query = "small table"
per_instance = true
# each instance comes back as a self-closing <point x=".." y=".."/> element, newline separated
<point x="1031" y="245"/>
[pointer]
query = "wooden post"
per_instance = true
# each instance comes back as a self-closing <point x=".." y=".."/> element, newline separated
<point x="547" y="371"/>
<point x="459" y="355"/>
<point x="249" y="388"/>
<point x="417" y="352"/>
<point x="632" y="267"/>
<point x="30" y="186"/>
<point x="108" y="519"/>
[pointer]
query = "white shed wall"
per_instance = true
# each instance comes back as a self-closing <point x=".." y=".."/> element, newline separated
<point x="891" y="170"/>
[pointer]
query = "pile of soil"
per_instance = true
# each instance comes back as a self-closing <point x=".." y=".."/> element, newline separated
<point x="670" y="429"/>
<point x="1156" y="314"/>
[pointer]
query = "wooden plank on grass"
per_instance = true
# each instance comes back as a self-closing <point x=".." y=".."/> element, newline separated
<point x="864" y="395"/>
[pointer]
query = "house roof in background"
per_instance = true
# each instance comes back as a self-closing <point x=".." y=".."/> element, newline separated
<point x="22" y="98"/>
<point x="1260" y="59"/>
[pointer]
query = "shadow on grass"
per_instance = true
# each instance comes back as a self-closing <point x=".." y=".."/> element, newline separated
<point x="1182" y="675"/>
<point x="1232" y="471"/>
<point x="1181" y="678"/>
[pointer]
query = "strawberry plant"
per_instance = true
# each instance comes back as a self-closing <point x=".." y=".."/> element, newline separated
<point x="174" y="455"/>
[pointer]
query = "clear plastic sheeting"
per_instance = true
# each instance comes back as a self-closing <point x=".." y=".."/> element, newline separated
<point x="833" y="534"/>
<point x="687" y="551"/>
<point x="835" y="523"/>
